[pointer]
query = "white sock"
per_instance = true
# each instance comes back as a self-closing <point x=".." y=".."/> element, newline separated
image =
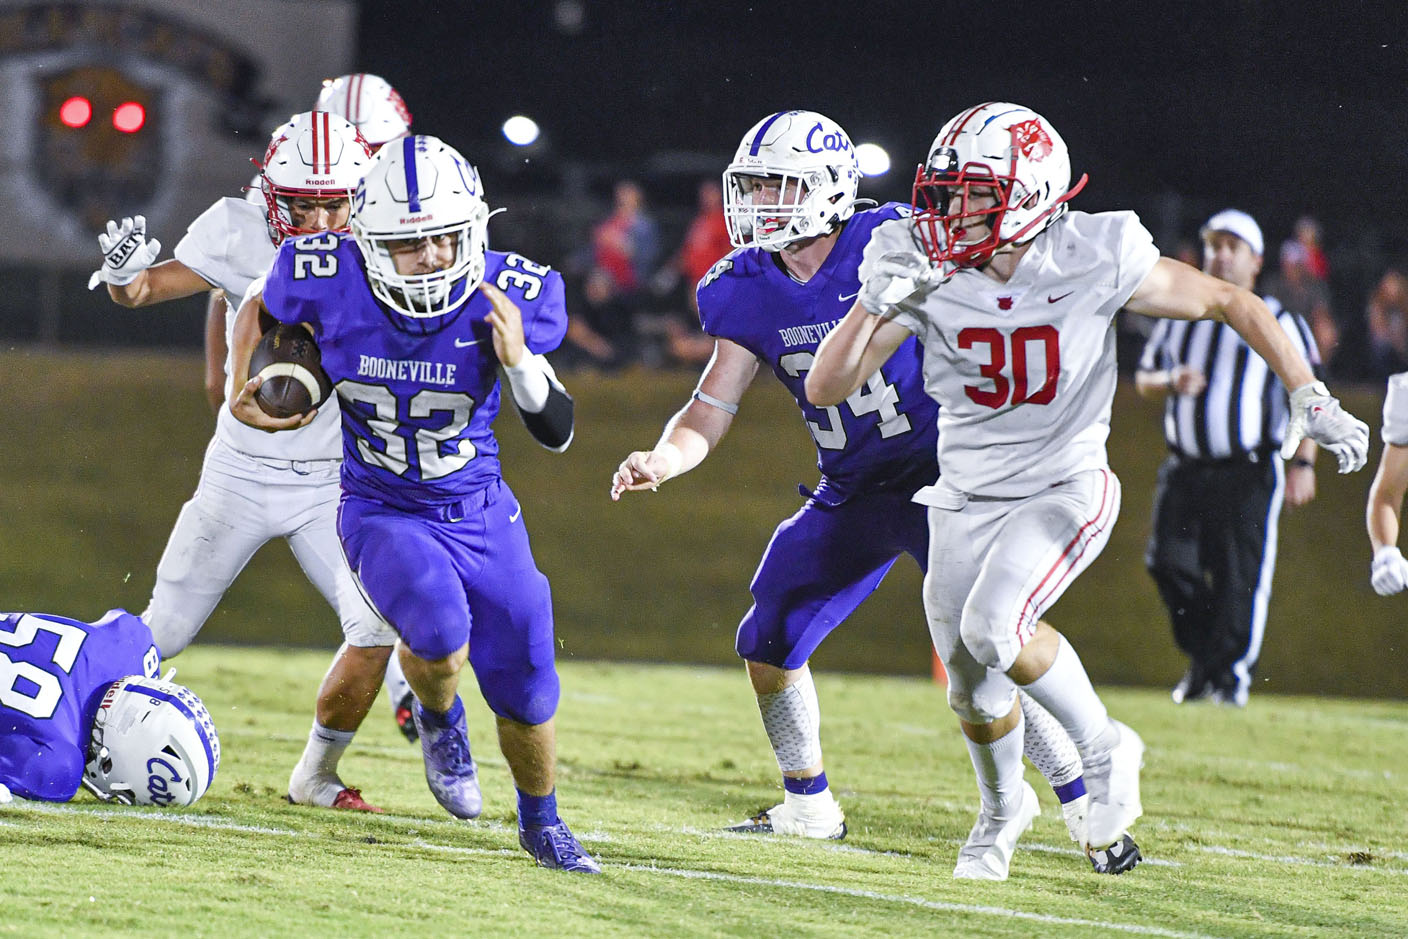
<point x="396" y="685"/>
<point x="1065" y="691"/>
<point x="1048" y="745"/>
<point x="999" y="768"/>
<point x="324" y="749"/>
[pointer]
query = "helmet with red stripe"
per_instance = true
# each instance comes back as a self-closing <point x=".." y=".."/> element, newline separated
<point x="421" y="191"/>
<point x="997" y="174"/>
<point x="316" y="155"/>
<point x="369" y="102"/>
<point x="793" y="177"/>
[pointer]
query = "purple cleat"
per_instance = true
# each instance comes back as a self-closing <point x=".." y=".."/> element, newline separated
<point x="555" y="846"/>
<point x="449" y="769"/>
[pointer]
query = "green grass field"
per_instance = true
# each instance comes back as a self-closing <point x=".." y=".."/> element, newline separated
<point x="1285" y="819"/>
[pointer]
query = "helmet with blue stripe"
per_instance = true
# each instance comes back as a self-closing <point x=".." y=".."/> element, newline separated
<point x="421" y="192"/>
<point x="152" y="743"/>
<point x="793" y="177"/>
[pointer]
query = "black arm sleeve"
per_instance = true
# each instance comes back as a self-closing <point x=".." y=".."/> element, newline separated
<point x="552" y="426"/>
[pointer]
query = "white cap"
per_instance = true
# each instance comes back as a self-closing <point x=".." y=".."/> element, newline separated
<point x="1236" y="223"/>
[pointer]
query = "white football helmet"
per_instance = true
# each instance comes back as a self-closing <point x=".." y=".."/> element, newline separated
<point x="153" y="743"/>
<point x="812" y="158"/>
<point x="315" y="155"/>
<point x="370" y="103"/>
<point x="420" y="187"/>
<point x="995" y="146"/>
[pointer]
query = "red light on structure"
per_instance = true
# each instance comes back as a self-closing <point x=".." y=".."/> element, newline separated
<point x="129" y="117"/>
<point x="76" y="111"/>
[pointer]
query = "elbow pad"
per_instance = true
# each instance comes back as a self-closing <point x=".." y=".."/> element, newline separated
<point x="543" y="404"/>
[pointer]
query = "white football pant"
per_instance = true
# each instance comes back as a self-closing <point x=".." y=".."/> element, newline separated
<point x="240" y="503"/>
<point x="995" y="566"/>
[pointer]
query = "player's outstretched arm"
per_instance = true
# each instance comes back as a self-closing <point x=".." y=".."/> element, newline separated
<point x="1175" y="290"/>
<point x="1389" y="571"/>
<point x="697" y="427"/>
<point x="128" y="271"/>
<point x="249" y="327"/>
<point x="851" y="353"/>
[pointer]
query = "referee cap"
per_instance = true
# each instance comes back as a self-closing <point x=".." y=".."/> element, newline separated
<point x="1237" y="223"/>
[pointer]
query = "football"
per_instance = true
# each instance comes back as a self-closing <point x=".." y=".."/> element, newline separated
<point x="290" y="363"/>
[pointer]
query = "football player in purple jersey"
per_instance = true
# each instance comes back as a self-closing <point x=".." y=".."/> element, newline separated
<point x="81" y="704"/>
<point x="415" y="318"/>
<point x="792" y="213"/>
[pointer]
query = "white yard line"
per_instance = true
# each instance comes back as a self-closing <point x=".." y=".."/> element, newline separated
<point x="969" y="908"/>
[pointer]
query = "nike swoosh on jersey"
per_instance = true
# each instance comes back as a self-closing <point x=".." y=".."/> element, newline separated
<point x="517" y="511"/>
<point x="1051" y="299"/>
<point x="848" y="296"/>
<point x="462" y="344"/>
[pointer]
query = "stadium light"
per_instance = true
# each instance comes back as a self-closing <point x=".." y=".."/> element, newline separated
<point x="521" y="131"/>
<point x="129" y="117"/>
<point x="874" y="161"/>
<point x="76" y="112"/>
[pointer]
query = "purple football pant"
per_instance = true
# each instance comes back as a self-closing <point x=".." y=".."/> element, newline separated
<point x="462" y="573"/>
<point x="818" y="567"/>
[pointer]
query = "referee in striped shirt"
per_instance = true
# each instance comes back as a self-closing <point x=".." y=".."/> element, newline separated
<point x="1213" y="547"/>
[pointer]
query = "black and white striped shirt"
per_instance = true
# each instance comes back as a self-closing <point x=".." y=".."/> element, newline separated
<point x="1244" y="409"/>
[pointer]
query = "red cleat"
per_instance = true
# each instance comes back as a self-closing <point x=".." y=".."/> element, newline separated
<point x="350" y="798"/>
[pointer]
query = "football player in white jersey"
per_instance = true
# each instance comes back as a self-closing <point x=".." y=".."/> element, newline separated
<point x="370" y="103"/>
<point x="1013" y="298"/>
<point x="256" y="486"/>
<point x="1389" y="571"/>
<point x="824" y="560"/>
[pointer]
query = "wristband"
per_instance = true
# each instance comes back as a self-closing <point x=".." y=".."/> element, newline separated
<point x="673" y="458"/>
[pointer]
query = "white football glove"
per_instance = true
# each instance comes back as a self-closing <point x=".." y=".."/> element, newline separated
<point x="1316" y="414"/>
<point x="896" y="277"/>
<point x="126" y="252"/>
<point x="1389" y="572"/>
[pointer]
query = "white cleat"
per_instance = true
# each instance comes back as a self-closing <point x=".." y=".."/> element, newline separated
<point x="817" y="816"/>
<point x="1113" y="783"/>
<point x="987" y="854"/>
<point x="1075" y="813"/>
<point x="5" y="796"/>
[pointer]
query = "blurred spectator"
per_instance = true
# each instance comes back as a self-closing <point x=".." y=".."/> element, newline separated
<point x="706" y="239"/>
<point x="627" y="242"/>
<point x="1187" y="252"/>
<point x="1387" y="317"/>
<point x="1300" y="291"/>
<point x="600" y="326"/>
<point x="1307" y="235"/>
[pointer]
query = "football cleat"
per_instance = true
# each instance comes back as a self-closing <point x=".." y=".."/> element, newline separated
<point x="799" y="820"/>
<point x="555" y="846"/>
<point x="987" y="854"/>
<point x="1119" y="857"/>
<point x="405" y="719"/>
<point x="351" y="799"/>
<point x="1113" y="782"/>
<point x="449" y="768"/>
<point x="1193" y="686"/>
<point x="326" y="791"/>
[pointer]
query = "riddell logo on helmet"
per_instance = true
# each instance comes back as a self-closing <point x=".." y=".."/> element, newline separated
<point x="1032" y="140"/>
<point x="416" y="219"/>
<point x="314" y="181"/>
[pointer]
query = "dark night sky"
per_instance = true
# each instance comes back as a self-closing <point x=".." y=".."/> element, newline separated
<point x="1281" y="108"/>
